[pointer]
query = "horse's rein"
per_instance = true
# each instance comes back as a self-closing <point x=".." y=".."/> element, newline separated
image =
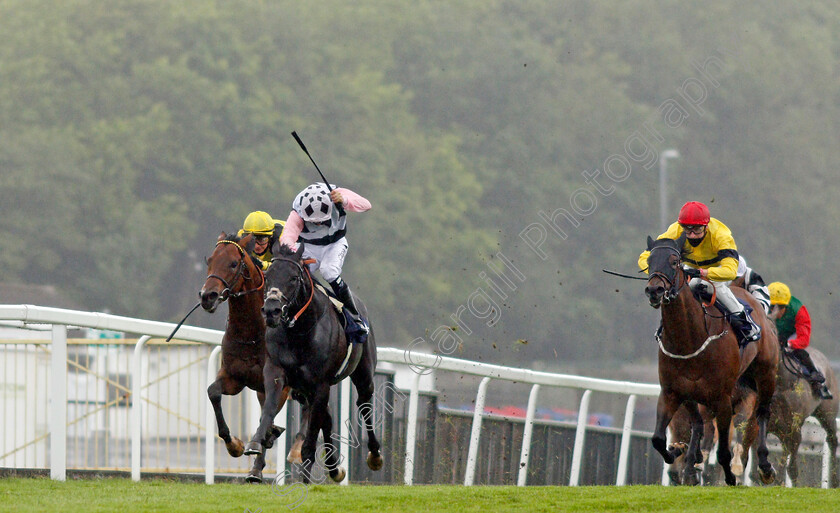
<point x="226" y="293"/>
<point x="673" y="292"/>
<point x="304" y="269"/>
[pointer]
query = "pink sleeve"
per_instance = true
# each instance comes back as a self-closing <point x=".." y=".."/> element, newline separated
<point x="352" y="201"/>
<point x="294" y="225"/>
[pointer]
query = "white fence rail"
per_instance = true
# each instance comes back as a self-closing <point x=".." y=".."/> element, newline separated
<point x="137" y="399"/>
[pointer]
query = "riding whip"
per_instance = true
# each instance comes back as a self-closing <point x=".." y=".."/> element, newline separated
<point x="182" y="322"/>
<point x="624" y="275"/>
<point x="326" y="182"/>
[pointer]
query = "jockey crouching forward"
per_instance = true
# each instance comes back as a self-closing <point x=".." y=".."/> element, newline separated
<point x="321" y="226"/>
<point x="711" y="259"/>
<point x="793" y="323"/>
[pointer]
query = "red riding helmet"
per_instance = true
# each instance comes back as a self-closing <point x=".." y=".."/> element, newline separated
<point x="694" y="212"/>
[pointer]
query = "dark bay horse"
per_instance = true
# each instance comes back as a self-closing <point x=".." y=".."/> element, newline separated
<point x="700" y="363"/>
<point x="232" y="276"/>
<point x="309" y="352"/>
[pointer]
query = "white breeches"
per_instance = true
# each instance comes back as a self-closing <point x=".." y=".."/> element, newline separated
<point x="724" y="294"/>
<point x="329" y="259"/>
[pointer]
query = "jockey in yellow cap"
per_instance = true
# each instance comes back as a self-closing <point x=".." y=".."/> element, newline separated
<point x="266" y="230"/>
<point x="793" y="323"/>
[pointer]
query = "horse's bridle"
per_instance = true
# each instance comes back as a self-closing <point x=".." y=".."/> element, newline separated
<point x="241" y="270"/>
<point x="300" y="287"/>
<point x="674" y="291"/>
<point x="674" y="285"/>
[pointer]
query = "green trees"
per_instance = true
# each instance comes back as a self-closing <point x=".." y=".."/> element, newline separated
<point x="133" y="132"/>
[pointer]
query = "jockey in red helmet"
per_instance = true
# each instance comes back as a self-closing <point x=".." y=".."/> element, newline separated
<point x="711" y="259"/>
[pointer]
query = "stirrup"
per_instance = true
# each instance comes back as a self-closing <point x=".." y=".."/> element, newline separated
<point x="749" y="331"/>
<point x="363" y="326"/>
<point x="357" y="328"/>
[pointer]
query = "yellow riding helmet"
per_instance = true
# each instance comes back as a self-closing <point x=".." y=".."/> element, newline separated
<point x="779" y="293"/>
<point x="259" y="223"/>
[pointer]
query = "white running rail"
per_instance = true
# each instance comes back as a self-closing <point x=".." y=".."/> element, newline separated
<point x="421" y="363"/>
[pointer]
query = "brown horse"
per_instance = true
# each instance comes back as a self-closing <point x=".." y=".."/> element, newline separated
<point x="792" y="404"/>
<point x="743" y="421"/>
<point x="700" y="363"/>
<point x="232" y="276"/>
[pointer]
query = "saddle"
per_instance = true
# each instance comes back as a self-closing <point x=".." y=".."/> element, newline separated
<point x="705" y="298"/>
<point x="337" y="305"/>
<point x="354" y="349"/>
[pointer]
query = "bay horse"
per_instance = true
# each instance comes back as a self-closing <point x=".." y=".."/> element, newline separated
<point x="793" y="403"/>
<point x="233" y="277"/>
<point x="308" y="351"/>
<point x="700" y="363"/>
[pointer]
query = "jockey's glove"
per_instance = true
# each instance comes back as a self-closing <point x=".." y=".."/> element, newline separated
<point x="692" y="272"/>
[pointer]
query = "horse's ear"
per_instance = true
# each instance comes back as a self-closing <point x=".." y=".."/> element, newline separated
<point x="650" y="243"/>
<point x="252" y="241"/>
<point x="681" y="242"/>
<point x="299" y="251"/>
<point x="222" y="236"/>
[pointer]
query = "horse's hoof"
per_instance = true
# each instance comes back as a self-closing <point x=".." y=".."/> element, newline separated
<point x="235" y="447"/>
<point x="374" y="461"/>
<point x="730" y="480"/>
<point x="253" y="448"/>
<point x="674" y="478"/>
<point x="676" y="450"/>
<point x="254" y="478"/>
<point x="273" y="434"/>
<point x="690" y="477"/>
<point x="338" y="474"/>
<point x="767" y="476"/>
<point x="294" y="454"/>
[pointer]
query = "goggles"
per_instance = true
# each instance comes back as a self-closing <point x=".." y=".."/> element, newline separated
<point x="693" y="228"/>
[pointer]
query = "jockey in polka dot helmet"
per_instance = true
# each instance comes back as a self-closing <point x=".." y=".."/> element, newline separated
<point x="319" y="220"/>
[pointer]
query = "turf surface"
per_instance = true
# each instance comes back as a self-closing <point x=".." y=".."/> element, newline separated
<point x="157" y="495"/>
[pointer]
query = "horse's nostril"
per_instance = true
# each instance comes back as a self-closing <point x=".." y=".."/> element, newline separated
<point x="270" y="311"/>
<point x="655" y="291"/>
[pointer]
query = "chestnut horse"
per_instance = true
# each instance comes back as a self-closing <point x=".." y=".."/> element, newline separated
<point x="700" y="363"/>
<point x="309" y="351"/>
<point x="232" y="276"/>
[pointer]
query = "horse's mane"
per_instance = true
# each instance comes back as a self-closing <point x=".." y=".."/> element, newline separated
<point x="284" y="251"/>
<point x="232" y="237"/>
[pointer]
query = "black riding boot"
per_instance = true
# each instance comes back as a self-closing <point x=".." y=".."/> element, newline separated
<point x="342" y="292"/>
<point x="748" y="330"/>
<point x="812" y="374"/>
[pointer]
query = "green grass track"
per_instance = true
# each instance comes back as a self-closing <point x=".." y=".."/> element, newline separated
<point x="117" y="495"/>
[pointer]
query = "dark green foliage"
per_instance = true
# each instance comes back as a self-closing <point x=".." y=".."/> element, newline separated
<point x="133" y="132"/>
